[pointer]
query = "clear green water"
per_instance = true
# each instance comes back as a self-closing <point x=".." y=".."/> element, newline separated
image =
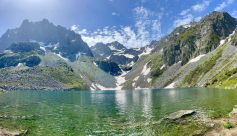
<point x="105" y="112"/>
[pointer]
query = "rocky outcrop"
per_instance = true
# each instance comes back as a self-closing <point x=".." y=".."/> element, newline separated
<point x="24" y="52"/>
<point x="33" y="61"/>
<point x="109" y="67"/>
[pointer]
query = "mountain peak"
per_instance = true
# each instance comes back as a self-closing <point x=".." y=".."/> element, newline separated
<point x="25" y="22"/>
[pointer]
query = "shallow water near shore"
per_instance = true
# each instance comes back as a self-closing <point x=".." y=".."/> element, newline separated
<point x="106" y="112"/>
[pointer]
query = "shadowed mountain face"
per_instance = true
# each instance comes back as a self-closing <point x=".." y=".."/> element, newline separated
<point x="56" y="38"/>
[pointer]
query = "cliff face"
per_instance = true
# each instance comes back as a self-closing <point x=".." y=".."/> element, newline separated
<point x="109" y="67"/>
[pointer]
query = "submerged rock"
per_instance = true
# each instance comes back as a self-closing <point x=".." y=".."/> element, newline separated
<point x="180" y="114"/>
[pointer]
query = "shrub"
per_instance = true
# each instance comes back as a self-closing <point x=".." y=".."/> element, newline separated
<point x="228" y="125"/>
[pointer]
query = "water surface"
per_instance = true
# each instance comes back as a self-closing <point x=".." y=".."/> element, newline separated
<point x="105" y="112"/>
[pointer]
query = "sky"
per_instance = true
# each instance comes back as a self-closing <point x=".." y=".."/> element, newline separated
<point x="133" y="23"/>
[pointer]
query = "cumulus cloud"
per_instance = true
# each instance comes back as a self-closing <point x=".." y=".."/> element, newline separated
<point x="184" y="12"/>
<point x="223" y="5"/>
<point x="147" y="27"/>
<point x="197" y="7"/>
<point x="185" y="20"/>
<point x="125" y="36"/>
<point x="234" y="13"/>
<point x="74" y="27"/>
<point x="202" y="6"/>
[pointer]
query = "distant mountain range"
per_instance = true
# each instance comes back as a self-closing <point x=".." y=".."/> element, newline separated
<point x="42" y="56"/>
<point x="118" y="53"/>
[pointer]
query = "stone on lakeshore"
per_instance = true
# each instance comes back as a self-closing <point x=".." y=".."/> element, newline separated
<point x="234" y="111"/>
<point x="180" y="114"/>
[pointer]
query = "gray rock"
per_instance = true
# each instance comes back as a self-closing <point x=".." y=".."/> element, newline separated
<point x="234" y="111"/>
<point x="180" y="114"/>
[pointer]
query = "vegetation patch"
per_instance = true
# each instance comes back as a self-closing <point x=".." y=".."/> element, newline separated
<point x="188" y="34"/>
<point x="126" y="68"/>
<point x="202" y="69"/>
<point x="228" y="125"/>
<point x="66" y="75"/>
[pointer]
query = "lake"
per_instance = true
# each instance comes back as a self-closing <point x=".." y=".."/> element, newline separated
<point x="105" y="112"/>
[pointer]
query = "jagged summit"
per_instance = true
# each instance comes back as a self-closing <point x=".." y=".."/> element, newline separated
<point x="55" y="38"/>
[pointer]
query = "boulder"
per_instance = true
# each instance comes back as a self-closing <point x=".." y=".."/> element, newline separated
<point x="180" y="114"/>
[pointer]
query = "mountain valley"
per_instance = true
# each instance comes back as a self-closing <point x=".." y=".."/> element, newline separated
<point x="42" y="56"/>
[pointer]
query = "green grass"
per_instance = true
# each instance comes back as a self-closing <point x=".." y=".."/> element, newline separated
<point x="181" y="129"/>
<point x="66" y="75"/>
<point x="203" y="68"/>
<point x="188" y="34"/>
<point x="228" y="125"/>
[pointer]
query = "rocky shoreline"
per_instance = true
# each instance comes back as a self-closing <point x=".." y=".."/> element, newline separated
<point x="213" y="127"/>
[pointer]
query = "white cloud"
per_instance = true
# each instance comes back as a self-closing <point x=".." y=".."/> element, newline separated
<point x="223" y="5"/>
<point x="124" y="36"/>
<point x="74" y="27"/>
<point x="234" y="13"/>
<point x="143" y="1"/>
<point x="147" y="27"/>
<point x="202" y="6"/>
<point x="115" y="14"/>
<point x="197" y="18"/>
<point x="184" y="12"/>
<point x="185" y="20"/>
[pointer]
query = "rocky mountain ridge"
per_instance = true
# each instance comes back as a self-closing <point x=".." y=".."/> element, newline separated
<point x="197" y="54"/>
<point x="120" y="54"/>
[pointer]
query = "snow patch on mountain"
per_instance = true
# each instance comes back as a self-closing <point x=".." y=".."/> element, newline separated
<point x="130" y="64"/>
<point x="8" y="51"/>
<point x="137" y="49"/>
<point x="135" y="79"/>
<point x="163" y="66"/>
<point x="197" y="58"/>
<point x="43" y="46"/>
<point x="186" y="26"/>
<point x="145" y="70"/>
<point x="171" y="85"/>
<point x="147" y="51"/>
<point x="113" y="48"/>
<point x="149" y="80"/>
<point x="108" y="57"/>
<point x="128" y="55"/>
<point x="19" y="64"/>
<point x="59" y="55"/>
<point x="119" y="83"/>
<point x="161" y="50"/>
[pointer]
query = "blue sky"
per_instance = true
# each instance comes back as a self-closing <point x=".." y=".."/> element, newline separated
<point x="134" y="23"/>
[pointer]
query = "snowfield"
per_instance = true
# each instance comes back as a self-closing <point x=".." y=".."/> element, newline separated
<point x="147" y="51"/>
<point x="196" y="59"/>
<point x="171" y="85"/>
<point x="145" y="70"/>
